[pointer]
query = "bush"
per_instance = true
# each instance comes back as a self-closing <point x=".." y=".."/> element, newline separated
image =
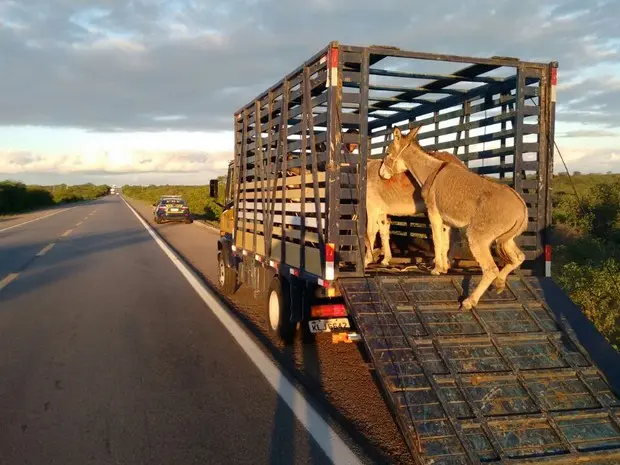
<point x="16" y="197"/>
<point x="587" y="261"/>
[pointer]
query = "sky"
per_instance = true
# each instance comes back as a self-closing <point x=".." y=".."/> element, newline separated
<point x="144" y="91"/>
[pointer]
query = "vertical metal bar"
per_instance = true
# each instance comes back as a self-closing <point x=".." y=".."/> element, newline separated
<point x="258" y="164"/>
<point x="266" y="169"/>
<point x="334" y="139"/>
<point x="236" y="187"/>
<point x="304" y="162"/>
<point x="363" y="161"/>
<point x="550" y="154"/>
<point x="502" y="159"/>
<point x="284" y="153"/>
<point x="315" y="169"/>
<point x="244" y="169"/>
<point x="518" y="150"/>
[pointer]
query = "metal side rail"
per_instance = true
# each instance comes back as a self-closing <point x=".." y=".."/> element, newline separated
<point x="508" y="382"/>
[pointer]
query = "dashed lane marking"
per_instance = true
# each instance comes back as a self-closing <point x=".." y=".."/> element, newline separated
<point x="66" y="233"/>
<point x="78" y="223"/>
<point x="36" y="219"/>
<point x="45" y="249"/>
<point x="7" y="279"/>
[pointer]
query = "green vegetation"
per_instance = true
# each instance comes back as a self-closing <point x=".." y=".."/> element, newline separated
<point x="17" y="197"/>
<point x="197" y="197"/>
<point x="587" y="247"/>
<point x="586" y="239"/>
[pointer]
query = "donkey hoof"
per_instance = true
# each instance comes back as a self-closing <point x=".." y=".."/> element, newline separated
<point x="385" y="262"/>
<point x="467" y="304"/>
<point x="436" y="271"/>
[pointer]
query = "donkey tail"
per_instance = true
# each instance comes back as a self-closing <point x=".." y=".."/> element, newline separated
<point x="516" y="229"/>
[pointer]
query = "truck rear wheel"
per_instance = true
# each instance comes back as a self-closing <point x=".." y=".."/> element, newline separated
<point x="227" y="277"/>
<point x="279" y="311"/>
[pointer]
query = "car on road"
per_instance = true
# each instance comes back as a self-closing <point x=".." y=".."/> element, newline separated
<point x="171" y="208"/>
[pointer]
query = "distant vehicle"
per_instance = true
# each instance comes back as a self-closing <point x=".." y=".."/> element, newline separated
<point x="171" y="208"/>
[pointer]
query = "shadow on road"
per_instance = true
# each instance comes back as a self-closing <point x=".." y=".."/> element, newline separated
<point x="39" y="272"/>
<point x="302" y="363"/>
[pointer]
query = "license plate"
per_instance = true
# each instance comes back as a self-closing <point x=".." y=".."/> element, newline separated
<point x="328" y="325"/>
<point x="174" y="209"/>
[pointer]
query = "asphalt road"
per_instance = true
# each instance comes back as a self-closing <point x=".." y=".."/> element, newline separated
<point x="336" y="375"/>
<point x="109" y="356"/>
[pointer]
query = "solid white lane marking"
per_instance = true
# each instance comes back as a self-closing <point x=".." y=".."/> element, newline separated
<point x="7" y="279"/>
<point x="333" y="446"/>
<point x="45" y="249"/>
<point x="36" y="219"/>
<point x="66" y="233"/>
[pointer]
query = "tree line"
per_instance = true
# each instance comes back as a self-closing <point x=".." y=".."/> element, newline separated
<point x="17" y="197"/>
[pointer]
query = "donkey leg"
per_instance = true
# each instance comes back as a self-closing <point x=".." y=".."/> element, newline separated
<point x="371" y="235"/>
<point x="516" y="258"/>
<point x="437" y="232"/>
<point x="384" y="233"/>
<point x="446" y="247"/>
<point x="481" y="250"/>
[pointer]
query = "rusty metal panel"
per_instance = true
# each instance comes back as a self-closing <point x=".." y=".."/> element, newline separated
<point x="504" y="383"/>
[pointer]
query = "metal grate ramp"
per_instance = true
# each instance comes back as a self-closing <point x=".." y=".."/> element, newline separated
<point x="504" y="383"/>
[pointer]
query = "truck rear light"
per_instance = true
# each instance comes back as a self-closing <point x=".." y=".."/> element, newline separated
<point x="330" y="255"/>
<point x="548" y="261"/>
<point x="328" y="311"/>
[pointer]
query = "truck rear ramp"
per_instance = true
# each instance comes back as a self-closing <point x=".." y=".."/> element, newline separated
<point x="504" y="383"/>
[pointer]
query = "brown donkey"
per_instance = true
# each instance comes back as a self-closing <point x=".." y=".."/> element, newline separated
<point x="460" y="198"/>
<point x="398" y="196"/>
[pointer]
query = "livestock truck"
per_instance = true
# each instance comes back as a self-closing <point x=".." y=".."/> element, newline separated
<point x="523" y="377"/>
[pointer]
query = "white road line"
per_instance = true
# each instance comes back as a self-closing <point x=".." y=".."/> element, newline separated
<point x="7" y="279"/>
<point x="78" y="223"/>
<point x="325" y="436"/>
<point x="45" y="249"/>
<point x="66" y="233"/>
<point x="36" y="219"/>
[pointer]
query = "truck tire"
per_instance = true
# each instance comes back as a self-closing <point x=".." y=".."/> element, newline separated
<point x="279" y="311"/>
<point x="227" y="277"/>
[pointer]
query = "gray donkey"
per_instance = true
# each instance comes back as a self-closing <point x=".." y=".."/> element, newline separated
<point x="461" y="198"/>
<point x="398" y="196"/>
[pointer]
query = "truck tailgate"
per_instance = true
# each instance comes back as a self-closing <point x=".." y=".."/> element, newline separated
<point x="504" y="383"/>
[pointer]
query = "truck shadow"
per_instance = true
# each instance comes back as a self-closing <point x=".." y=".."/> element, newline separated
<point x="301" y="362"/>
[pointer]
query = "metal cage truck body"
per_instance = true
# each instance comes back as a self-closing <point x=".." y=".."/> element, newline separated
<point x="523" y="377"/>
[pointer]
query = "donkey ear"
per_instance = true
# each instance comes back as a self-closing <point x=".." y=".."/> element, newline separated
<point x="397" y="134"/>
<point x="413" y="133"/>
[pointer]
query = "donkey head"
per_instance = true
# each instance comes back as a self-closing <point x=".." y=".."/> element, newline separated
<point x="393" y="162"/>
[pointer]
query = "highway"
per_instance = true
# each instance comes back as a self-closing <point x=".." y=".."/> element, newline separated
<point x="110" y="354"/>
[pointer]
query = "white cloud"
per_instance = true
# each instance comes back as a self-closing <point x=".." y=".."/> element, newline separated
<point x="153" y="82"/>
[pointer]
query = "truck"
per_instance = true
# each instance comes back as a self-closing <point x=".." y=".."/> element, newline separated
<point x="523" y="377"/>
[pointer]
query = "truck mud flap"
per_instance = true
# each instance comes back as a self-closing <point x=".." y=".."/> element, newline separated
<point x="508" y="382"/>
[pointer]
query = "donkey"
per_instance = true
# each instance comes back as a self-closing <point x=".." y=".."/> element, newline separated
<point x="399" y="196"/>
<point x="461" y="198"/>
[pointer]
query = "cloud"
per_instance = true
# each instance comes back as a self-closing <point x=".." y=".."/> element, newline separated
<point x="123" y="66"/>
<point x="588" y="160"/>
<point x="594" y="133"/>
<point x="113" y="163"/>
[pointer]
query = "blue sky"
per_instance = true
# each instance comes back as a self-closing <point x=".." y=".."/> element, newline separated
<point x="143" y="91"/>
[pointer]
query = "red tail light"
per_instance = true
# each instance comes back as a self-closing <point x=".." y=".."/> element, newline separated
<point x="328" y="311"/>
